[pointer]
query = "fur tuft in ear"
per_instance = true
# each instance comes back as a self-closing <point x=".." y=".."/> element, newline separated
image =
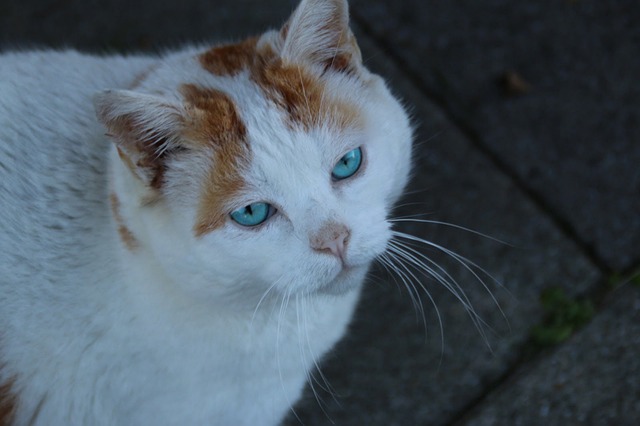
<point x="318" y="32"/>
<point x="145" y="129"/>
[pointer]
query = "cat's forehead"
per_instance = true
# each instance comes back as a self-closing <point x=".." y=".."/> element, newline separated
<point x="302" y="92"/>
<point x="281" y="120"/>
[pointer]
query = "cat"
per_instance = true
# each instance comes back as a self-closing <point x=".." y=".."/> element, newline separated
<point x="184" y="236"/>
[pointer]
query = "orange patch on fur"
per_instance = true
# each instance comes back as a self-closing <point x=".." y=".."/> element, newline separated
<point x="150" y="166"/>
<point x="223" y="182"/>
<point x="7" y="403"/>
<point x="303" y="97"/>
<point x="126" y="235"/>
<point x="127" y="161"/>
<point x="292" y="87"/>
<point x="212" y="117"/>
<point x="229" y="59"/>
<point x="213" y="121"/>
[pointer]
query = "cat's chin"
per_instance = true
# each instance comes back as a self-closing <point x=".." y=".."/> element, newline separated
<point x="348" y="279"/>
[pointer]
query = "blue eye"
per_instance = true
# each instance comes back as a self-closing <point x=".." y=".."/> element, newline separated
<point x="253" y="214"/>
<point x="348" y="165"/>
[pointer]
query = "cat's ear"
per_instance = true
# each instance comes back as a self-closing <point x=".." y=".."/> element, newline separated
<point x="145" y="129"/>
<point x="318" y="32"/>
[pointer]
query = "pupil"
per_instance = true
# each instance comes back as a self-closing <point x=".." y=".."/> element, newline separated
<point x="249" y="210"/>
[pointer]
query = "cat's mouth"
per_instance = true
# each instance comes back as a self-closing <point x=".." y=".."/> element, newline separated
<point x="349" y="278"/>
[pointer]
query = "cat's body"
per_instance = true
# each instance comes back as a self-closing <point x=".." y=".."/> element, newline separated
<point x="128" y="295"/>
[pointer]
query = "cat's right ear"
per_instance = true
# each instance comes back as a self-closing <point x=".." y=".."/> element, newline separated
<point x="145" y="129"/>
<point x="318" y="32"/>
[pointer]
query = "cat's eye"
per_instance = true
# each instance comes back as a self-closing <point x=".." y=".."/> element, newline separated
<point x="348" y="165"/>
<point x="253" y="214"/>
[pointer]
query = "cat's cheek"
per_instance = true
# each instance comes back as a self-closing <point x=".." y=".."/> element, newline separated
<point x="369" y="237"/>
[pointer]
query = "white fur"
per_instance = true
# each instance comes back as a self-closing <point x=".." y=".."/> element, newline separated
<point x="220" y="329"/>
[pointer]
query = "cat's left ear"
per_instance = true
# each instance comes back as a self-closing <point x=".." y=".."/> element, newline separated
<point x="318" y="32"/>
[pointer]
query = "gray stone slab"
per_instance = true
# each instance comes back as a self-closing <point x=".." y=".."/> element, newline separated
<point x="389" y="370"/>
<point x="574" y="137"/>
<point x="594" y="379"/>
<point x="123" y="25"/>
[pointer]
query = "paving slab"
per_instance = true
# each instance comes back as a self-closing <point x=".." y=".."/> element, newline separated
<point x="126" y="26"/>
<point x="569" y="129"/>
<point x="387" y="372"/>
<point x="594" y="379"/>
<point x="391" y="369"/>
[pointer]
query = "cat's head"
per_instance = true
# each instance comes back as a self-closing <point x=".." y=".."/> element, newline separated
<point x="271" y="162"/>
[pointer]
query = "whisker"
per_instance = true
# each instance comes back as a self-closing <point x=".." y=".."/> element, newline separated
<point x="421" y="142"/>
<point x="466" y="263"/>
<point x="409" y="275"/>
<point x="303" y="363"/>
<point x="284" y="303"/>
<point x="391" y="271"/>
<point x="264" y="295"/>
<point x="383" y="262"/>
<point x="451" y="225"/>
<point x="326" y="386"/>
<point x="399" y="260"/>
<point x="441" y="275"/>
<point x="333" y="59"/>
<point x="304" y="92"/>
<point x="386" y="259"/>
<point x="445" y="280"/>
<point x="411" y="204"/>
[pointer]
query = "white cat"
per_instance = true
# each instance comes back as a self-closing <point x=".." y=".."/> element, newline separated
<point x="183" y="237"/>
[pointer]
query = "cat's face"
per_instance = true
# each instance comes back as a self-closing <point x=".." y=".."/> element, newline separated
<point x="272" y="163"/>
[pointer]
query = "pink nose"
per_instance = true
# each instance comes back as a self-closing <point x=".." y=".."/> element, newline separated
<point x="331" y="238"/>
